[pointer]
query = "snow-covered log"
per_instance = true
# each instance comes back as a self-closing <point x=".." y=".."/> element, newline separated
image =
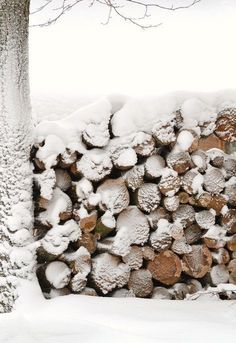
<point x="170" y="182"/>
<point x="226" y="125"/>
<point x="147" y="197"/>
<point x="114" y="195"/>
<point x="132" y="228"/>
<point x="140" y="282"/>
<point x="134" y="177"/>
<point x="108" y="272"/>
<point x="197" y="262"/>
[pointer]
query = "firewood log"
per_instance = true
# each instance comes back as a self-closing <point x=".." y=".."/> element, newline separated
<point x="59" y="208"/>
<point x="154" y="166"/>
<point x="187" y="140"/>
<point x="212" y="141"/>
<point x="55" y="274"/>
<point x="134" y="177"/>
<point x="123" y="157"/>
<point x="205" y="219"/>
<point x="95" y="165"/>
<point x="75" y="171"/>
<point x="79" y="261"/>
<point x="57" y="239"/>
<point x="45" y="256"/>
<point x="88" y="223"/>
<point x="164" y="133"/>
<point x="148" y="253"/>
<point x="230" y="167"/>
<point x="221" y="256"/>
<point x="179" y="291"/>
<point x="180" y="246"/>
<point x="214" y="181"/>
<point x="132" y="228"/>
<point x="171" y="203"/>
<point x="232" y="277"/>
<point x="169" y="183"/>
<point x="140" y="282"/>
<point x="134" y="259"/>
<point x="89" y="241"/>
<point x="166" y="267"/>
<point x="215" y="237"/>
<point x="147" y="197"/>
<point x="185" y="214"/>
<point x="46" y="182"/>
<point x="183" y="197"/>
<point x="63" y="179"/>
<point x="178" y="119"/>
<point x="194" y="286"/>
<point x="96" y="135"/>
<point x="232" y="265"/>
<point x="210" y="201"/>
<point x="154" y="216"/>
<point x="105" y="245"/>
<point x="144" y="144"/>
<point x="230" y="192"/>
<point x="228" y="220"/>
<point x="108" y="272"/>
<point x="226" y="125"/>
<point x="193" y="233"/>
<point x="78" y="283"/>
<point x="176" y="230"/>
<point x="198" y="262"/>
<point x="219" y="274"/>
<point x="105" y="225"/>
<point x="179" y="161"/>
<point x="161" y="293"/>
<point x="114" y="195"/>
<point x="199" y="159"/>
<point x="39" y="166"/>
<point x="161" y="239"/>
<point x="192" y="182"/>
<point x="231" y="244"/>
<point x="67" y="159"/>
<point x="42" y="204"/>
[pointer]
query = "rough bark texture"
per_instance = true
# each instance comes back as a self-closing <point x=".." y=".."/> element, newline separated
<point x="15" y="141"/>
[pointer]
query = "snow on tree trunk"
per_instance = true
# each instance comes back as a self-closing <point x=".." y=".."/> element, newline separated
<point x="15" y="141"/>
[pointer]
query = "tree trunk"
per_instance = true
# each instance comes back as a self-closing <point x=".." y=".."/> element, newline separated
<point x="15" y="142"/>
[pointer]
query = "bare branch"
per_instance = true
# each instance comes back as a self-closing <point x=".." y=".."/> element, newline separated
<point x="67" y="5"/>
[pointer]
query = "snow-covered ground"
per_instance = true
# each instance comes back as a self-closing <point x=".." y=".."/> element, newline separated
<point x="87" y="319"/>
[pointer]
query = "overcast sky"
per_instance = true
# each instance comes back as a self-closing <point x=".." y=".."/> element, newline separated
<point x="194" y="49"/>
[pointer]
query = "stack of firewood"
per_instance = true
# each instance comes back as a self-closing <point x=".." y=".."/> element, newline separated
<point x="153" y="215"/>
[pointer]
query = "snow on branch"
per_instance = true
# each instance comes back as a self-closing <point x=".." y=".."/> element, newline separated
<point x="117" y="7"/>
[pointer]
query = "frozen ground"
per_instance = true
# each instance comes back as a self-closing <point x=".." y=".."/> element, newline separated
<point x="87" y="319"/>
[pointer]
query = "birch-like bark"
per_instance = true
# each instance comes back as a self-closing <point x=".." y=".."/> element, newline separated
<point x="16" y="260"/>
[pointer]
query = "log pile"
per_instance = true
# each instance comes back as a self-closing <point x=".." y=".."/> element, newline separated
<point x="150" y="216"/>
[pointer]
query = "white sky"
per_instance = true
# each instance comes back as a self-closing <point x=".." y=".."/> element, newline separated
<point x="194" y="49"/>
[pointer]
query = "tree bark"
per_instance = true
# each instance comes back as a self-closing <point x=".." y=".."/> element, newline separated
<point x="15" y="142"/>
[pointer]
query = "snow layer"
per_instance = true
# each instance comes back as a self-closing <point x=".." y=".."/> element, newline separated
<point x="85" y="319"/>
<point x="132" y="116"/>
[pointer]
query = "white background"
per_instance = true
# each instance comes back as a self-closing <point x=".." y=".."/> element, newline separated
<point x="194" y="49"/>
